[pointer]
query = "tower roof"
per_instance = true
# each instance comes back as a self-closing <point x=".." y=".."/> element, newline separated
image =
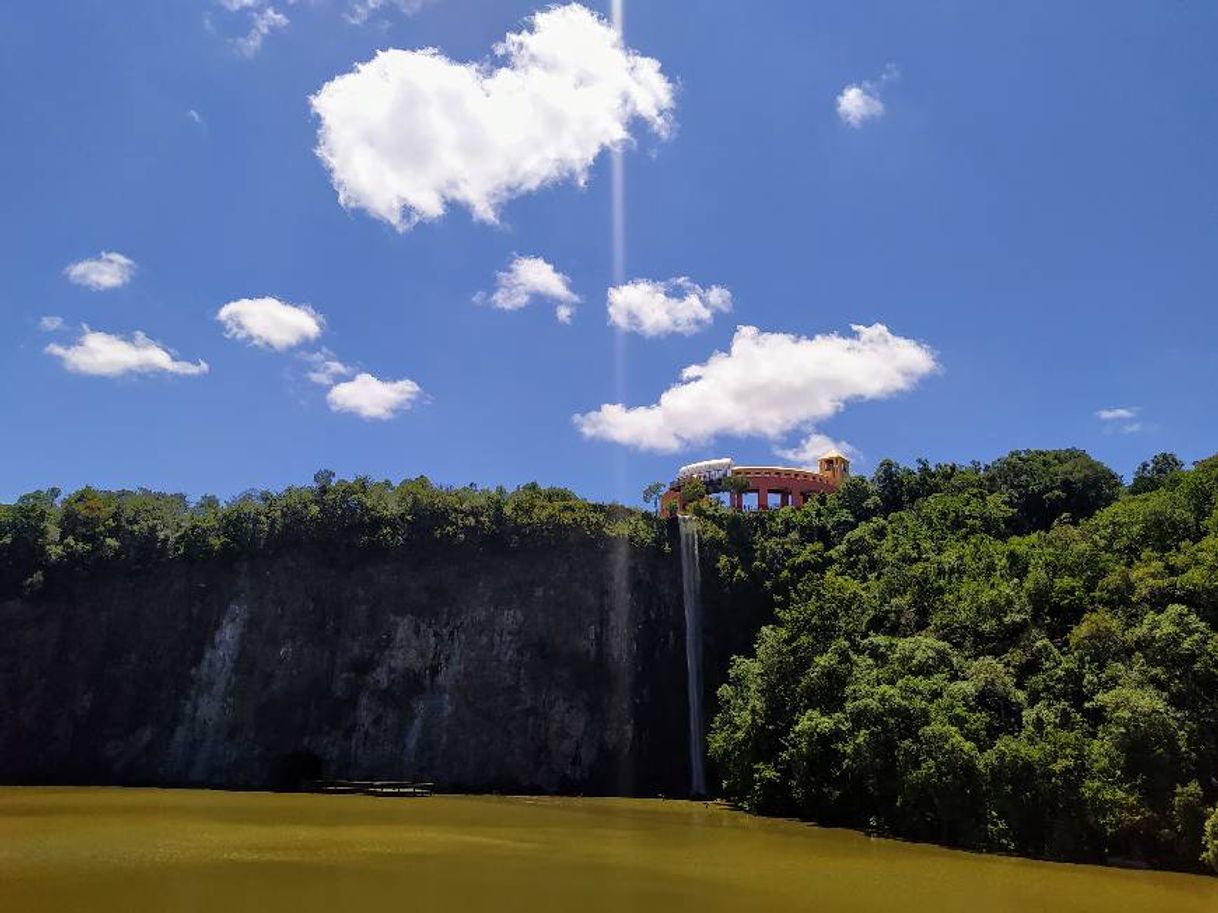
<point x="835" y="455"/>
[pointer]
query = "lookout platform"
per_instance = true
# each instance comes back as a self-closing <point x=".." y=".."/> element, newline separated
<point x="750" y="487"/>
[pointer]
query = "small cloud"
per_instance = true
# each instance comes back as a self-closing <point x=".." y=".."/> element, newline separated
<point x="659" y="308"/>
<point x="860" y="102"/>
<point x="371" y="398"/>
<point x="262" y="23"/>
<point x="50" y="324"/>
<point x="108" y="355"/>
<point x="1121" y="420"/>
<point x="325" y="369"/>
<point x="527" y="278"/>
<point x="261" y="18"/>
<point x="196" y="117"/>
<point x="359" y="10"/>
<point x="814" y="446"/>
<point x="855" y="105"/>
<point x="270" y="323"/>
<point x="109" y="270"/>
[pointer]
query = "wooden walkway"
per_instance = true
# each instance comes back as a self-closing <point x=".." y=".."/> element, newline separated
<point x="395" y="789"/>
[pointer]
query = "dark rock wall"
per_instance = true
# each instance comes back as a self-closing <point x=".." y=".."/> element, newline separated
<point x="531" y="669"/>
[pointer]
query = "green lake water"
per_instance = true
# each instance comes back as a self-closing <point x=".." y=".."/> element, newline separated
<point x="182" y="850"/>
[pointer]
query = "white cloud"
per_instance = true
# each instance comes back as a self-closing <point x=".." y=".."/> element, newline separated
<point x="659" y="308"/>
<point x="360" y="10"/>
<point x="372" y="398"/>
<point x="50" y="323"/>
<point x="407" y="133"/>
<point x="1121" y="419"/>
<point x="108" y="270"/>
<point x="270" y="323"/>
<point x="860" y="102"/>
<point x="527" y="278"/>
<point x="263" y="21"/>
<point x="856" y="105"/>
<point x="767" y="385"/>
<point x="325" y="368"/>
<point x="195" y="116"/>
<point x="107" y="355"/>
<point x="814" y="446"/>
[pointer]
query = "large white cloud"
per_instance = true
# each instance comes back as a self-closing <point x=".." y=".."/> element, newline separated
<point x="106" y="271"/>
<point x="659" y="308"/>
<point x="527" y="278"/>
<point x="270" y="323"/>
<point x="814" y="445"/>
<point x="372" y="398"/>
<point x="767" y="385"/>
<point x="409" y="132"/>
<point x="108" y="355"/>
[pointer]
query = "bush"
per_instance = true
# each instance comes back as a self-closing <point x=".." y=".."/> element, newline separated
<point x="1209" y="846"/>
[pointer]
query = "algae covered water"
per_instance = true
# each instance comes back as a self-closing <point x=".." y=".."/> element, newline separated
<point x="178" y="850"/>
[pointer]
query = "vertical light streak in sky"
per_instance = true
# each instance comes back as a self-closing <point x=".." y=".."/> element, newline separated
<point x="619" y="179"/>
<point x="619" y="265"/>
<point x="623" y="684"/>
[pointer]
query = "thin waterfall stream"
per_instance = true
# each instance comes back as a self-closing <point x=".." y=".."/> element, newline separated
<point x="691" y="584"/>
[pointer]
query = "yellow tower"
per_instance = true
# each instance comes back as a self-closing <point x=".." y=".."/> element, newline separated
<point x="835" y="466"/>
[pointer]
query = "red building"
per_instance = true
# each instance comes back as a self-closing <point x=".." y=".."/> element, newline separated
<point x="791" y="486"/>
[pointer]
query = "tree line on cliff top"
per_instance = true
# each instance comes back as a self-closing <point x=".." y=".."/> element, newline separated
<point x="1020" y="657"/>
<point x="43" y="533"/>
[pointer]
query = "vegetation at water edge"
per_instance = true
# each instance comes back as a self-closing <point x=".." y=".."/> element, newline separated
<point x="1020" y="657"/>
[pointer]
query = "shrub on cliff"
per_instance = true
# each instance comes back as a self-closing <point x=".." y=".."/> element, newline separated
<point x="1210" y="850"/>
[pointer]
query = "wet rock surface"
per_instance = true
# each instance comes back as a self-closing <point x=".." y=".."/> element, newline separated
<point x="531" y="669"/>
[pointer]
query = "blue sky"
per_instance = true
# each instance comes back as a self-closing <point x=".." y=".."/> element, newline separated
<point x="1033" y="215"/>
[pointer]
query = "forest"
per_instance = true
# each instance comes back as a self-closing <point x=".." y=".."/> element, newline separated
<point x="1015" y="657"/>
<point x="1020" y="657"/>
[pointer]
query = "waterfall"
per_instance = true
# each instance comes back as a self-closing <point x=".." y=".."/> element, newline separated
<point x="691" y="581"/>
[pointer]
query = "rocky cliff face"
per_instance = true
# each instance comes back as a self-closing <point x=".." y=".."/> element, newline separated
<point x="528" y="669"/>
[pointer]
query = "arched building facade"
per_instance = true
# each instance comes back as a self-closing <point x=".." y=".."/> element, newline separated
<point x="759" y="487"/>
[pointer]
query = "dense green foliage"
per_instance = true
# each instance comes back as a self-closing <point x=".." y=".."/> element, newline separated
<point x="42" y="533"/>
<point x="1018" y="657"/>
<point x="1210" y="848"/>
